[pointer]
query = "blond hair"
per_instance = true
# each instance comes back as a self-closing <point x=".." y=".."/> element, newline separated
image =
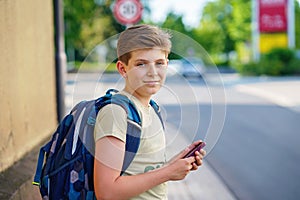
<point x="142" y="36"/>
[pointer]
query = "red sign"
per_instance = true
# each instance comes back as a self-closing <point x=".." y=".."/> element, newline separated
<point x="273" y="15"/>
<point x="128" y="12"/>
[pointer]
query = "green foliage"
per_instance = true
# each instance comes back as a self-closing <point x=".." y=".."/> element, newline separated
<point x="210" y="36"/>
<point x="174" y="22"/>
<point x="239" y="26"/>
<point x="87" y="24"/>
<point x="225" y="26"/>
<point x="280" y="54"/>
<point x="279" y="61"/>
<point x="297" y="24"/>
<point x="94" y="66"/>
<point x="293" y="67"/>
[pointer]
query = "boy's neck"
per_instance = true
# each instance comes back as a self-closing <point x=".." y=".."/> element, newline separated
<point x="144" y="100"/>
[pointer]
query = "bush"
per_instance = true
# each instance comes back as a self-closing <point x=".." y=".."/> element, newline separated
<point x="249" y="69"/>
<point x="268" y="66"/>
<point x="293" y="67"/>
<point x="280" y="54"/>
<point x="278" y="61"/>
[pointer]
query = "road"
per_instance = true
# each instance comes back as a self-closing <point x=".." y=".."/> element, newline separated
<point x="257" y="154"/>
<point x="252" y="143"/>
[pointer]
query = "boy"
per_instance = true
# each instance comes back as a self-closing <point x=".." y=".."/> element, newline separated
<point x="142" y="61"/>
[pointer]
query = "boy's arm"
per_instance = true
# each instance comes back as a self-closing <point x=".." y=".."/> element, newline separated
<point x="199" y="155"/>
<point x="108" y="183"/>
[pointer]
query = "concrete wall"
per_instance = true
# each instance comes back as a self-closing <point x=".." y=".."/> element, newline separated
<point x="27" y="77"/>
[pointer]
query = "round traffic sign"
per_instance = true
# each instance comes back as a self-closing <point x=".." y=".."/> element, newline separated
<point x="128" y="11"/>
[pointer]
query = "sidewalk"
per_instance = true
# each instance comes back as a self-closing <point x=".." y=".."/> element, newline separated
<point x="202" y="184"/>
<point x="283" y="91"/>
<point x="205" y="183"/>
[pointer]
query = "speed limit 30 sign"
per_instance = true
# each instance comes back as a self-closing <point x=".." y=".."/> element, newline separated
<point x="128" y="12"/>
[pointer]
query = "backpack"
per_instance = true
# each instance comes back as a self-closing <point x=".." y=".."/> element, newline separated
<point x="67" y="171"/>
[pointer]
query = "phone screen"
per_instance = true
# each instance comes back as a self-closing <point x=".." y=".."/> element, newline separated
<point x="196" y="148"/>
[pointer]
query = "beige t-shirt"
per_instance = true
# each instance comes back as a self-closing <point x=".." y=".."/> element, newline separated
<point x="112" y="121"/>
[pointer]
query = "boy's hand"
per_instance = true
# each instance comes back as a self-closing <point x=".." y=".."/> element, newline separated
<point x="199" y="155"/>
<point x="178" y="169"/>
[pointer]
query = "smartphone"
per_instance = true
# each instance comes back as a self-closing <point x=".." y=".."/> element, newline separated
<point x="196" y="148"/>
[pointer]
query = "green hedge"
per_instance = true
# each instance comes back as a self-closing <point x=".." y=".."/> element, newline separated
<point x="277" y="62"/>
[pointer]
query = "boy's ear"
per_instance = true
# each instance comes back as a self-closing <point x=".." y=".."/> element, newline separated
<point x="121" y="68"/>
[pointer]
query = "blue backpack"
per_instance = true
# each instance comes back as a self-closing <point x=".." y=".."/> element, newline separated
<point x="67" y="171"/>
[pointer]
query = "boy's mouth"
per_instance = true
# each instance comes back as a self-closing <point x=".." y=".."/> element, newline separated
<point x="152" y="82"/>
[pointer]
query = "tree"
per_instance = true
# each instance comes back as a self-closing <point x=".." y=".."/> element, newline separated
<point x="214" y="29"/>
<point x="174" y="22"/>
<point x="210" y="36"/>
<point x="87" y="24"/>
<point x="239" y="26"/>
<point x="224" y="24"/>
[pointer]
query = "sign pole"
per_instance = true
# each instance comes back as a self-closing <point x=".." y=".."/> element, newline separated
<point x="255" y="32"/>
<point x="291" y="24"/>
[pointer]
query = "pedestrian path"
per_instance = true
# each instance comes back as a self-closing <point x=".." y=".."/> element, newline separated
<point x="283" y="92"/>
<point x="202" y="184"/>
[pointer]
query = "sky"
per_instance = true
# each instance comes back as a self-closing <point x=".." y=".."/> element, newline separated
<point x="190" y="9"/>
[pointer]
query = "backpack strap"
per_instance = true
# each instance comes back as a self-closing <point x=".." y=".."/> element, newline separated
<point x="133" y="134"/>
<point x="134" y="123"/>
<point x="134" y="130"/>
<point x="40" y="162"/>
<point x="80" y="120"/>
<point x="157" y="110"/>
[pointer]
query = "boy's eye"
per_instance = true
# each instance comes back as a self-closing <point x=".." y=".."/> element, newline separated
<point x="161" y="64"/>
<point x="140" y="64"/>
<point x="158" y="64"/>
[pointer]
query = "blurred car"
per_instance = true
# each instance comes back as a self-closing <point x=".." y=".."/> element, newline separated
<point x="174" y="67"/>
<point x="192" y="67"/>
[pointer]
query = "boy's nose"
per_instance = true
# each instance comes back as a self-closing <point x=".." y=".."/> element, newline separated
<point x="152" y="69"/>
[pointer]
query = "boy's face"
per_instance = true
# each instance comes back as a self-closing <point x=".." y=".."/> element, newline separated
<point x="146" y="72"/>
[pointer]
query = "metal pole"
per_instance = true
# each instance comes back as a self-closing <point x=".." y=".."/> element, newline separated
<point x="291" y="24"/>
<point x="60" y="58"/>
<point x="255" y="32"/>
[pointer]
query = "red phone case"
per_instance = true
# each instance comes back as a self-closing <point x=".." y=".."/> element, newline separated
<point x="196" y="148"/>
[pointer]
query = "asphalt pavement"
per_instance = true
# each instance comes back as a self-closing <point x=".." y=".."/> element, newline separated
<point x="205" y="183"/>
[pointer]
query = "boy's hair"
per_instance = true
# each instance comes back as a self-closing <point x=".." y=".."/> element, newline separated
<point x="142" y="36"/>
